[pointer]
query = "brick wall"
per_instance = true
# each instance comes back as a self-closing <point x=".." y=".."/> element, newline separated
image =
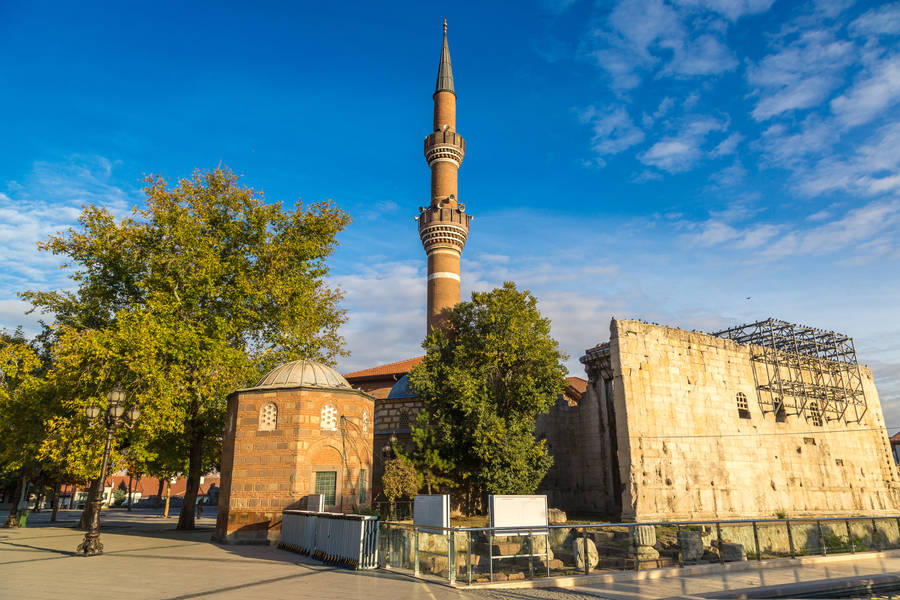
<point x="266" y="471"/>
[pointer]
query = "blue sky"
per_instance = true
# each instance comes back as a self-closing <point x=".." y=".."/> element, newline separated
<point x="699" y="163"/>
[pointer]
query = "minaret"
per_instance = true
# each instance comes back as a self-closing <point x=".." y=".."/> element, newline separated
<point x="444" y="224"/>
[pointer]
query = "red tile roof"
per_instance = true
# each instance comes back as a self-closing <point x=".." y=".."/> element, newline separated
<point x="578" y="384"/>
<point x="896" y="437"/>
<point x="395" y="368"/>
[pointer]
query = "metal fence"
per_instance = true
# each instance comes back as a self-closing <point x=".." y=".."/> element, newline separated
<point x="482" y="554"/>
<point x="345" y="540"/>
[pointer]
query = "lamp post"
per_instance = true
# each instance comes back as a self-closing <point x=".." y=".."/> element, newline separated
<point x="114" y="416"/>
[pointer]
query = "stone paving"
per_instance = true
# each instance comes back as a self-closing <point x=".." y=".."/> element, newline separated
<point x="146" y="558"/>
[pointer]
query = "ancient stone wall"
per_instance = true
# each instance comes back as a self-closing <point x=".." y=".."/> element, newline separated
<point x="578" y="481"/>
<point x="685" y="452"/>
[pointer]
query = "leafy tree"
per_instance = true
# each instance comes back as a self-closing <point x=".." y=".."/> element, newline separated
<point x="25" y="407"/>
<point x="188" y="299"/>
<point x="485" y="379"/>
<point x="399" y="480"/>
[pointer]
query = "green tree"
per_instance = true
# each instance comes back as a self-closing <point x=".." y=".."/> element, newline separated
<point x="399" y="480"/>
<point x="190" y="298"/>
<point x="484" y="381"/>
<point x="26" y="407"/>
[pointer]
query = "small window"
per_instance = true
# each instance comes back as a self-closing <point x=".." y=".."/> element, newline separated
<point x="268" y="417"/>
<point x="362" y="486"/>
<point x="742" y="405"/>
<point x="328" y="419"/>
<point x="780" y="413"/>
<point x="365" y="421"/>
<point x="326" y="483"/>
<point x="814" y="414"/>
<point x="404" y="420"/>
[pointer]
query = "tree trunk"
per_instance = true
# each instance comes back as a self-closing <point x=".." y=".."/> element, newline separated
<point x="129" y="493"/>
<point x="162" y="482"/>
<point x="56" y="489"/>
<point x="13" y="519"/>
<point x="38" y="500"/>
<point x="195" y="464"/>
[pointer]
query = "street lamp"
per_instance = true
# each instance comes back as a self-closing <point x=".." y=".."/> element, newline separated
<point x="114" y="416"/>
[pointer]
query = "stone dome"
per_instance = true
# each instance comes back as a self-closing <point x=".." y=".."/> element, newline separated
<point x="303" y="373"/>
<point x="401" y="390"/>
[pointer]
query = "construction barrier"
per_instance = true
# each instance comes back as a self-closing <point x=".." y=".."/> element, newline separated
<point x="349" y="541"/>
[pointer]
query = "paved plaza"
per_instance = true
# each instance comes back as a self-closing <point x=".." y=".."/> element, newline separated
<point x="146" y="558"/>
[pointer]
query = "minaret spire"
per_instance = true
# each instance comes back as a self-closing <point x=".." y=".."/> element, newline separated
<point x="444" y="223"/>
<point x="445" y="72"/>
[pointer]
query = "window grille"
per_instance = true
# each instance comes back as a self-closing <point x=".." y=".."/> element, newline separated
<point x="362" y="486"/>
<point x="742" y="405"/>
<point x="268" y="417"/>
<point x="328" y="420"/>
<point x="404" y="420"/>
<point x="326" y="484"/>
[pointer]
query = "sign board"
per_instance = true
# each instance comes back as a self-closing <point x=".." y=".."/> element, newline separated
<point x="431" y="511"/>
<point x="518" y="511"/>
<point x="315" y="502"/>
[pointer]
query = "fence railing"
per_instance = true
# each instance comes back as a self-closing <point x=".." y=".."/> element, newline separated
<point x="483" y="554"/>
<point x="400" y="510"/>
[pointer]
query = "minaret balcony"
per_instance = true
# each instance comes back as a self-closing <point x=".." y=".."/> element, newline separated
<point x="446" y="146"/>
<point x="443" y="228"/>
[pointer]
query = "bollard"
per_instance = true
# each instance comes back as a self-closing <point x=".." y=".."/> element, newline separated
<point x="756" y="541"/>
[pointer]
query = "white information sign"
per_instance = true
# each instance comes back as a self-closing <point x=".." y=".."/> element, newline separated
<point x="431" y="511"/>
<point x="315" y="502"/>
<point x="528" y="512"/>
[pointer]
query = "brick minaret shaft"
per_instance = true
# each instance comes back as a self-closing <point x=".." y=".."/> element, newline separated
<point x="444" y="224"/>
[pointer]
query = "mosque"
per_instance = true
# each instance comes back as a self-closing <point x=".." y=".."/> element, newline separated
<point x="664" y="428"/>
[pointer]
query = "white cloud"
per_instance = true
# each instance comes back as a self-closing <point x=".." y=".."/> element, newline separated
<point x="728" y="145"/>
<point x="386" y="310"/>
<point x="870" y="95"/>
<point x="869" y="170"/>
<point x="680" y="152"/>
<point x="786" y="147"/>
<point x="732" y="9"/>
<point x="730" y="176"/>
<point x="614" y="131"/>
<point x="884" y="20"/>
<point x="641" y="35"/>
<point x="799" y="75"/>
<point x="46" y="202"/>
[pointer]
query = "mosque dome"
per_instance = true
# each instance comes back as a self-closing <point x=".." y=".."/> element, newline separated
<point x="303" y="373"/>
<point x="401" y="390"/>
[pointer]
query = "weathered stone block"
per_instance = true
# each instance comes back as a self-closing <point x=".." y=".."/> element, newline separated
<point x="731" y="552"/>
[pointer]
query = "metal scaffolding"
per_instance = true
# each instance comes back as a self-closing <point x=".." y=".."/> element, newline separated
<point x="803" y="371"/>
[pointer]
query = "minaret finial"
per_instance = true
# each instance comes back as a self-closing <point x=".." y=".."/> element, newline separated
<point x="445" y="73"/>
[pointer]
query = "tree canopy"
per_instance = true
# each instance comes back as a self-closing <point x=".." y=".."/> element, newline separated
<point x="485" y="379"/>
<point x="185" y="300"/>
